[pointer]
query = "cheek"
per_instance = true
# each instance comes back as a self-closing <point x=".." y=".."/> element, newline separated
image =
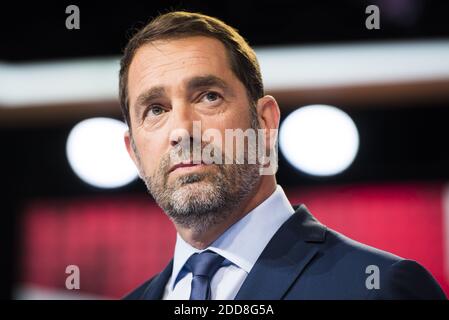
<point x="236" y="117"/>
<point x="150" y="151"/>
<point x="221" y="124"/>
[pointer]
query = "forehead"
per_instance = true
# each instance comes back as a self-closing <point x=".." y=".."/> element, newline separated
<point x="167" y="63"/>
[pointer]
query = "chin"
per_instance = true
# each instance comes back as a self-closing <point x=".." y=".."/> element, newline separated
<point x="197" y="191"/>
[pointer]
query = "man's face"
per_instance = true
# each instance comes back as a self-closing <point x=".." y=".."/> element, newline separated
<point x="171" y="84"/>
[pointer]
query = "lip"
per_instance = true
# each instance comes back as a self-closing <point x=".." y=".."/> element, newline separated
<point x="185" y="165"/>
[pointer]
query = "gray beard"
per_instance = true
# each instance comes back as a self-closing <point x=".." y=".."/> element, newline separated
<point x="199" y="201"/>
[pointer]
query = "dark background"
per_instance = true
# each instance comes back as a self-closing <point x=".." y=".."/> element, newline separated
<point x="36" y="30"/>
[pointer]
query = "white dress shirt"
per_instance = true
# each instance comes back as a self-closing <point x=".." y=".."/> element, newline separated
<point x="241" y="245"/>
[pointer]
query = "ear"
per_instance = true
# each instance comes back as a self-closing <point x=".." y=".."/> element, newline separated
<point x="129" y="147"/>
<point x="269" y="117"/>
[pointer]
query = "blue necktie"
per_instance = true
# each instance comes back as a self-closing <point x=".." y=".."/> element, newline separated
<point x="203" y="267"/>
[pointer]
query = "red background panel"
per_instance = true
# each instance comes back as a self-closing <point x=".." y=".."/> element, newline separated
<point x="405" y="219"/>
<point x="120" y="242"/>
<point x="116" y="243"/>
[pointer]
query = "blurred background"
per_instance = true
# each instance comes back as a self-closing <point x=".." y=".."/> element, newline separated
<point x="363" y="139"/>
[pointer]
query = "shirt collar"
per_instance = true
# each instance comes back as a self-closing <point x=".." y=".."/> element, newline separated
<point x="244" y="241"/>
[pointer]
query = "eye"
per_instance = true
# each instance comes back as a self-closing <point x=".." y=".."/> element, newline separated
<point x="155" y="110"/>
<point x="211" y="96"/>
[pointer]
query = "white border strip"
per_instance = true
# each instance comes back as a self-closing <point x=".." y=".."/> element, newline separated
<point x="286" y="68"/>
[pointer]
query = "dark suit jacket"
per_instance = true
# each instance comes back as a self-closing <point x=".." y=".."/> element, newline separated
<point x="306" y="260"/>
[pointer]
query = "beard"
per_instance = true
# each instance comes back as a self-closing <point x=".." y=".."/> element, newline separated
<point x="200" y="200"/>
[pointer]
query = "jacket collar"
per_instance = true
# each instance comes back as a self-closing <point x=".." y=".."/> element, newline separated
<point x="156" y="287"/>
<point x="284" y="258"/>
<point x="280" y="264"/>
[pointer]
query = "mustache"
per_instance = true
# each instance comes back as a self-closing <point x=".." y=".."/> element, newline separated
<point x="178" y="154"/>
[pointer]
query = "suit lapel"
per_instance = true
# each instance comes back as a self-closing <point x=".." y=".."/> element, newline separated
<point x="156" y="287"/>
<point x="284" y="258"/>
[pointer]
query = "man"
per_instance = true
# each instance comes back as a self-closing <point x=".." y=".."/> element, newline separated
<point x="238" y="237"/>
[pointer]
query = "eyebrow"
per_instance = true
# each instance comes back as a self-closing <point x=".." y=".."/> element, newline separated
<point x="148" y="96"/>
<point x="207" y="81"/>
<point x="193" y="84"/>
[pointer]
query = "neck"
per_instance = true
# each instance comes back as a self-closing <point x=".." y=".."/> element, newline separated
<point x="203" y="239"/>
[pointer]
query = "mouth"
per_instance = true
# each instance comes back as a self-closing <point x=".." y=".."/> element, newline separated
<point x="186" y="166"/>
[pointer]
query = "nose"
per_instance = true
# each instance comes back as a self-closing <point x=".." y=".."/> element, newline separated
<point x="181" y="127"/>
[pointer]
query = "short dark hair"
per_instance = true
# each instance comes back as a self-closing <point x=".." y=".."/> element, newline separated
<point x="181" y="24"/>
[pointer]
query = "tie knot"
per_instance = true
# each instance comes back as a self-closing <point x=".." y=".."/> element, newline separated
<point x="204" y="264"/>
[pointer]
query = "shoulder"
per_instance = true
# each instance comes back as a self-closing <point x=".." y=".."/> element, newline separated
<point x="407" y="279"/>
<point x="357" y="252"/>
<point x="362" y="265"/>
